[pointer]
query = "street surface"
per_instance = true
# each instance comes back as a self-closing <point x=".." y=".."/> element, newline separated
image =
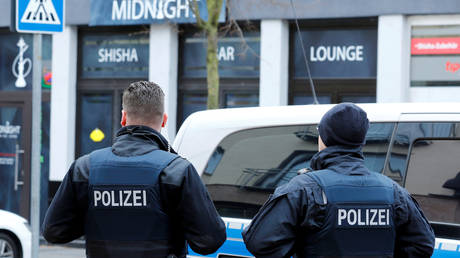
<point x="59" y="251"/>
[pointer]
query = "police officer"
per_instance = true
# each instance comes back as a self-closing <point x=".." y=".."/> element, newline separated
<point x="137" y="198"/>
<point x="340" y="208"/>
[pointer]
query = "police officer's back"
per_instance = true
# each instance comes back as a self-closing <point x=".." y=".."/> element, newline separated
<point x="137" y="198"/>
<point x="340" y="208"/>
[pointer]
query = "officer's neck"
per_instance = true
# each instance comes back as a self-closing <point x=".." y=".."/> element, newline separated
<point x="156" y="127"/>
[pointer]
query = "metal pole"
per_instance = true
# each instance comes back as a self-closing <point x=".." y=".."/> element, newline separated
<point x="36" y="144"/>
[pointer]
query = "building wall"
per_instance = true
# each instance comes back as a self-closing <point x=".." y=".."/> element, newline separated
<point x="395" y="20"/>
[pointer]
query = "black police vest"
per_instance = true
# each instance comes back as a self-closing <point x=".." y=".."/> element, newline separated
<point x="359" y="217"/>
<point x="124" y="200"/>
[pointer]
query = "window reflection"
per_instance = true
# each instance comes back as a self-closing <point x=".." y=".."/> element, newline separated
<point x="431" y="154"/>
<point x="433" y="178"/>
<point x="406" y="134"/>
<point x="248" y="165"/>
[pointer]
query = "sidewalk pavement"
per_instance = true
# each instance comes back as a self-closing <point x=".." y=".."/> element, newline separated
<point x="60" y="251"/>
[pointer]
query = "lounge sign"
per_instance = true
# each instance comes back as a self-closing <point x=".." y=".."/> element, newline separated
<point x="350" y="53"/>
<point x="129" y="12"/>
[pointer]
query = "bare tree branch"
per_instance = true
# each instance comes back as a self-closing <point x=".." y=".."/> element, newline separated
<point x="196" y="11"/>
<point x="244" y="43"/>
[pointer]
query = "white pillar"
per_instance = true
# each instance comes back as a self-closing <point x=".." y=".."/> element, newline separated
<point x="63" y="102"/>
<point x="393" y="59"/>
<point x="274" y="56"/>
<point x="163" y="62"/>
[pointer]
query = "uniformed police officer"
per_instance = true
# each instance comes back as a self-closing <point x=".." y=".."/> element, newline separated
<point x="340" y="208"/>
<point x="137" y="198"/>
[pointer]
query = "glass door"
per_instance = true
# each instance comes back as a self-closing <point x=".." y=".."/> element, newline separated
<point x="14" y="195"/>
<point x="95" y="129"/>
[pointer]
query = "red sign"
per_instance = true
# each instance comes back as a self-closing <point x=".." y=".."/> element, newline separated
<point x="452" y="67"/>
<point x="435" y="46"/>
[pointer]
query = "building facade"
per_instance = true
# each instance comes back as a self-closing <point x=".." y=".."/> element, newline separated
<point x="357" y="51"/>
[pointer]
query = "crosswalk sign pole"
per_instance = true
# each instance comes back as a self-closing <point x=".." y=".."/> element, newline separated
<point x="36" y="144"/>
<point x="38" y="17"/>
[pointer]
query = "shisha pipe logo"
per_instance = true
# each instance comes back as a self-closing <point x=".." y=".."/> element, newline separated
<point x="19" y="64"/>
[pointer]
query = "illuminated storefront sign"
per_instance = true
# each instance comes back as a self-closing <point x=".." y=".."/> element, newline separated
<point x="126" y="12"/>
<point x="435" y="59"/>
<point x="237" y="57"/>
<point x="115" y="55"/>
<point x="435" y="46"/>
<point x="344" y="53"/>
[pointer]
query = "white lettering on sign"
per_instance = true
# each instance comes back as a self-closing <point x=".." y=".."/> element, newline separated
<point x="7" y="161"/>
<point x="150" y="9"/>
<point x="120" y="198"/>
<point x="226" y="53"/>
<point x="363" y="217"/>
<point x="337" y="53"/>
<point x="9" y="131"/>
<point x="437" y="45"/>
<point x="117" y="55"/>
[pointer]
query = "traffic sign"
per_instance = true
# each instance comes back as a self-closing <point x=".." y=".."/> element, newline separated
<point x="39" y="16"/>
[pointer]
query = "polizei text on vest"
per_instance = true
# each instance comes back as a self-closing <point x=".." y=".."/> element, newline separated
<point x="363" y="217"/>
<point x="120" y="198"/>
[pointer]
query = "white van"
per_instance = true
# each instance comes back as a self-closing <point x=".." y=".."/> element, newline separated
<point x="243" y="154"/>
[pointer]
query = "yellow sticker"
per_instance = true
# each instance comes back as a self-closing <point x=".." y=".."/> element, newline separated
<point x="97" y="135"/>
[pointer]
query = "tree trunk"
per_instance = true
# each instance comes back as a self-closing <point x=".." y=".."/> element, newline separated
<point x="212" y="66"/>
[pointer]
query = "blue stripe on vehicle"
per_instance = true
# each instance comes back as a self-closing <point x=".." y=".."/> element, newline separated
<point x="233" y="245"/>
<point x="446" y="250"/>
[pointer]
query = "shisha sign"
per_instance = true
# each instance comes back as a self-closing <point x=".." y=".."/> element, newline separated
<point x="19" y="64"/>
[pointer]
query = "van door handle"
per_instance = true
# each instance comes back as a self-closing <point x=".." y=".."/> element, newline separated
<point x="16" y="168"/>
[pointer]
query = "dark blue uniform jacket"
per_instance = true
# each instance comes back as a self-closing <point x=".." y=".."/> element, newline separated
<point x="295" y="209"/>
<point x="183" y="198"/>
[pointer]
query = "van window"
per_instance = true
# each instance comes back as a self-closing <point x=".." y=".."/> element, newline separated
<point x="248" y="165"/>
<point x="406" y="134"/>
<point x="425" y="159"/>
<point x="433" y="178"/>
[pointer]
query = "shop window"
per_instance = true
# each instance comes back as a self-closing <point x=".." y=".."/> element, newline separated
<point x="16" y="57"/>
<point x="238" y="58"/>
<point x="306" y="100"/>
<point x="234" y="100"/>
<point x="239" y="61"/>
<point x="95" y="128"/>
<point x="45" y="157"/>
<point x="359" y="99"/>
<point x="342" y="60"/>
<point x="114" y="55"/>
<point x="248" y="165"/>
<point x="435" y="56"/>
<point x="192" y="104"/>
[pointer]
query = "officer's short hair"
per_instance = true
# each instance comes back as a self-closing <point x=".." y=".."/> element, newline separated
<point x="144" y="101"/>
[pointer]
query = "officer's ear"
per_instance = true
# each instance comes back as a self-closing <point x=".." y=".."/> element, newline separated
<point x="165" y="119"/>
<point x="123" y="118"/>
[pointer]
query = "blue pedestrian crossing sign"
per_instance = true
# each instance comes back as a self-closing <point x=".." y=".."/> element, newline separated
<point x="39" y="16"/>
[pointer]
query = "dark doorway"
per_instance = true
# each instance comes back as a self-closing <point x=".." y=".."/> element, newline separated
<point x="15" y="117"/>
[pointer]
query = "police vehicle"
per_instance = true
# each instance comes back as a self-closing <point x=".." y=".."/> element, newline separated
<point x="243" y="154"/>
